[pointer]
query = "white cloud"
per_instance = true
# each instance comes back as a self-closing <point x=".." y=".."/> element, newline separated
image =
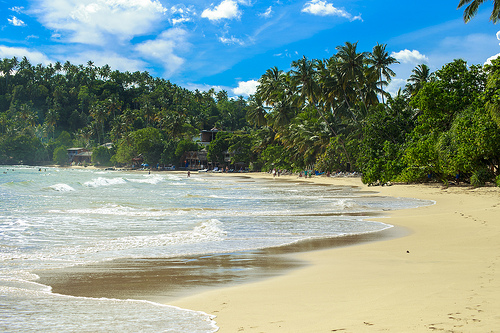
<point x="246" y="88"/>
<point x="227" y="9"/>
<point x="287" y="54"/>
<point x="165" y="47"/>
<point x="323" y="8"/>
<point x="488" y="61"/>
<point x="395" y="85"/>
<point x="268" y="13"/>
<point x="90" y="21"/>
<point x="181" y="14"/>
<point x="17" y="9"/>
<point x="17" y="22"/>
<point x="232" y="40"/>
<point x="34" y="57"/>
<point x="410" y="57"/>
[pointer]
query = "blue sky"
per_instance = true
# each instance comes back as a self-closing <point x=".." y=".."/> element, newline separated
<point x="229" y="44"/>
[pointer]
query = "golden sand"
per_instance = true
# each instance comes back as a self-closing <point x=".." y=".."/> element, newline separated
<point x="444" y="276"/>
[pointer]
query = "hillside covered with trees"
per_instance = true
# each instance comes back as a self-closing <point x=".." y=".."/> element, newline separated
<point x="324" y="114"/>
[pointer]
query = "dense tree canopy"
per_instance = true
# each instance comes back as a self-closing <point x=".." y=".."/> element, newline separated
<point x="325" y="114"/>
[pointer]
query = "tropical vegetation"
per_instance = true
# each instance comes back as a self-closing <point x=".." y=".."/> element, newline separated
<point x="330" y="115"/>
<point x="473" y="6"/>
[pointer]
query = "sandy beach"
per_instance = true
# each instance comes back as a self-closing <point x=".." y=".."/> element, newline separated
<point x="442" y="276"/>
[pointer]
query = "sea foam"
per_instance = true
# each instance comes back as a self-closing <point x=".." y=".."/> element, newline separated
<point x="101" y="181"/>
<point x="62" y="188"/>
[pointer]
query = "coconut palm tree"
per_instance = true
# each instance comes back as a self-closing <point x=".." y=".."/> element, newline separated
<point x="307" y="77"/>
<point x="51" y="120"/>
<point x="351" y="65"/>
<point x="421" y="74"/>
<point x="303" y="75"/>
<point x="337" y="93"/>
<point x="271" y="85"/>
<point x="256" y="113"/>
<point x="380" y="59"/>
<point x="473" y="5"/>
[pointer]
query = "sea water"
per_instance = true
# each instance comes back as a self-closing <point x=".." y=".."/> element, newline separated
<point x="54" y="218"/>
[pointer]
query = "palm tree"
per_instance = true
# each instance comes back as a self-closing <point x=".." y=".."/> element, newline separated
<point x="372" y="87"/>
<point x="303" y="75"/>
<point x="7" y="67"/>
<point x="99" y="114"/>
<point x="335" y="92"/>
<point x="421" y="74"/>
<point x="271" y="85"/>
<point x="256" y="113"/>
<point x="381" y="60"/>
<point x="351" y="65"/>
<point x="51" y="119"/>
<point x="471" y="10"/>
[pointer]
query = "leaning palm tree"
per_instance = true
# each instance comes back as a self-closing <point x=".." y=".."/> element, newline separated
<point x="471" y="10"/>
<point x="380" y="59"/>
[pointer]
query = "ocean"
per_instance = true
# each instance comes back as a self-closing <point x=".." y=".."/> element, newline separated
<point x="53" y="219"/>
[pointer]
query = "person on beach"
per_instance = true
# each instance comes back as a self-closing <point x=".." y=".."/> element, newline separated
<point x="189" y="174"/>
<point x="274" y="173"/>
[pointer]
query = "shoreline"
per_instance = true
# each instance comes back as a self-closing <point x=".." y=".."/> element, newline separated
<point x="165" y="280"/>
<point x="440" y="277"/>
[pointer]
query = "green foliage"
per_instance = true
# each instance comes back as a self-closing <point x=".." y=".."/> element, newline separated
<point x="126" y="151"/>
<point x="481" y="176"/>
<point x="492" y="93"/>
<point x="21" y="149"/>
<point x="241" y="148"/>
<point x="97" y="105"/>
<point x="454" y="135"/>
<point x="218" y="146"/>
<point x="101" y="155"/>
<point x="168" y="155"/>
<point x="384" y="137"/>
<point x="474" y="142"/>
<point x="185" y="145"/>
<point x="324" y="114"/>
<point x="148" y="142"/>
<point x="60" y="156"/>
<point x="64" y="139"/>
<point x="275" y="156"/>
<point x="334" y="159"/>
<point x="385" y="166"/>
<point x="421" y="158"/>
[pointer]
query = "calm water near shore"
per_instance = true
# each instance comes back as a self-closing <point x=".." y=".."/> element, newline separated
<point x="68" y="224"/>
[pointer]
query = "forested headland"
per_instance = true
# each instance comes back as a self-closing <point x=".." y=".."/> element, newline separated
<point x="328" y="115"/>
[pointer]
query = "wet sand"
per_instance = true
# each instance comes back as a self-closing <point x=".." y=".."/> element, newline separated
<point x="442" y="277"/>
<point x="436" y="271"/>
<point x="169" y="279"/>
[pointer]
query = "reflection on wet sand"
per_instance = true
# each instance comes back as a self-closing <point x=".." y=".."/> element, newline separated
<point x="160" y="279"/>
